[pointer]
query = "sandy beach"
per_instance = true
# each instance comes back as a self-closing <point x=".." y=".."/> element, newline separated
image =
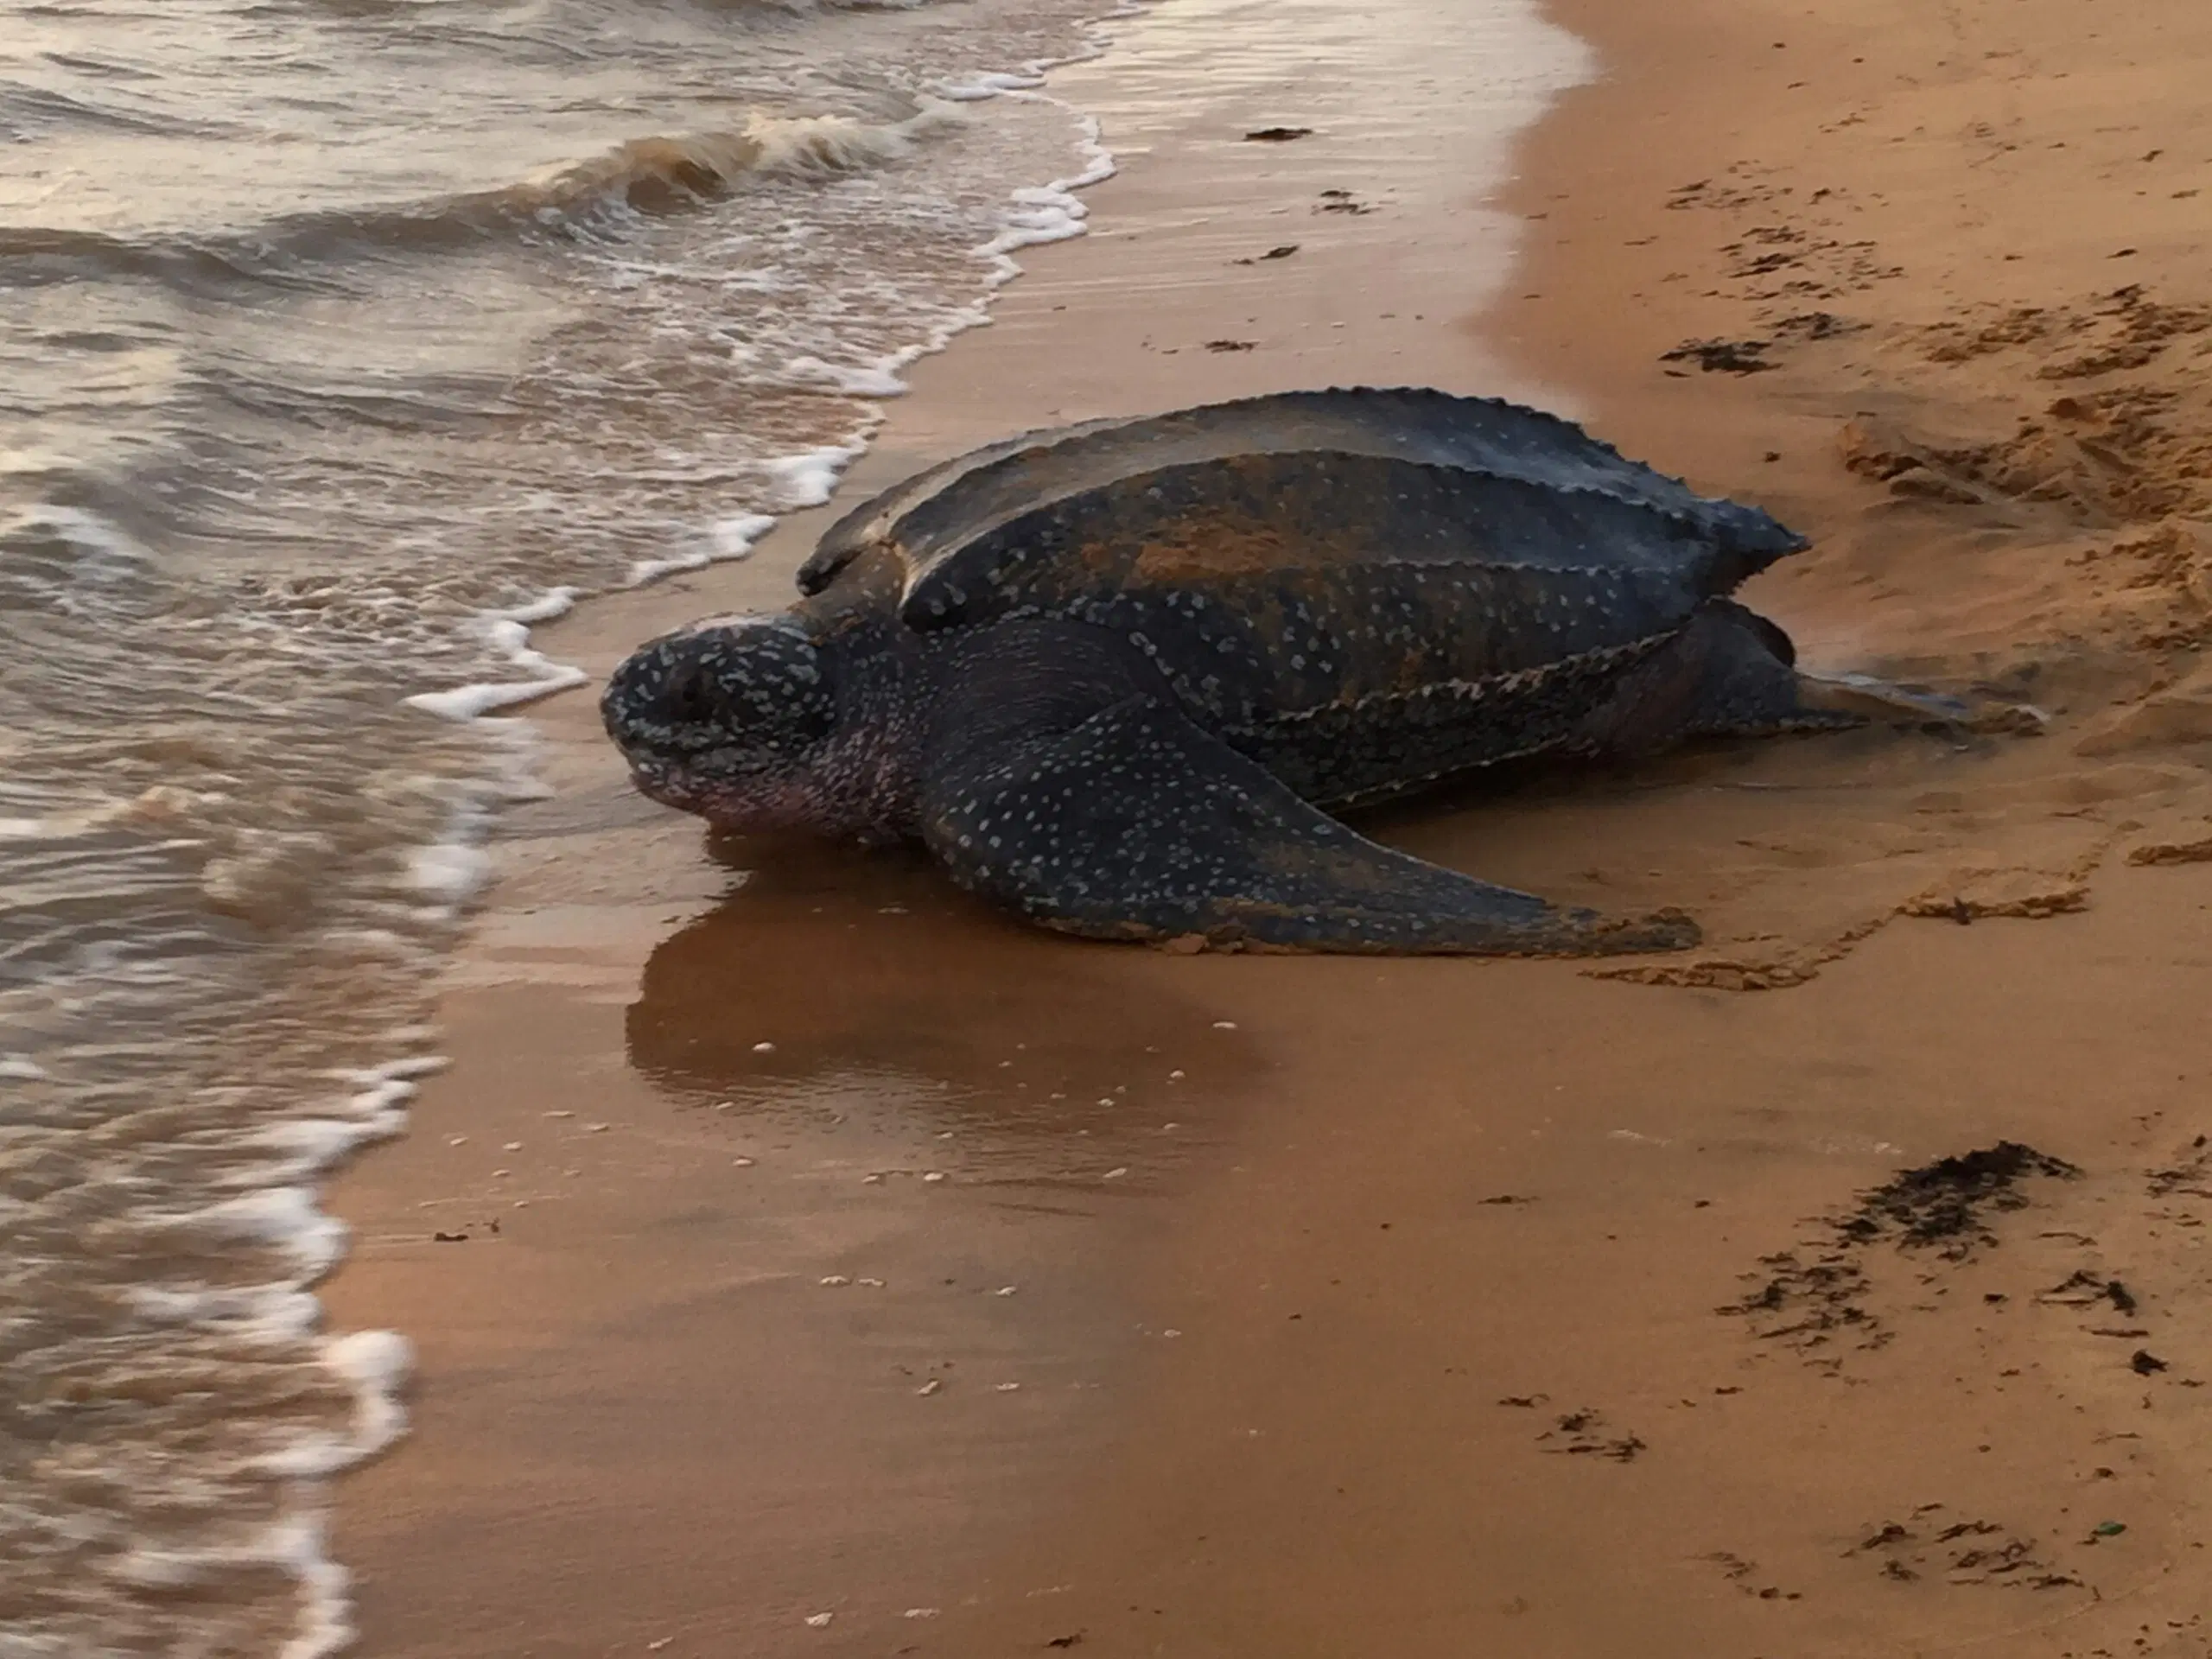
<point x="801" y="1260"/>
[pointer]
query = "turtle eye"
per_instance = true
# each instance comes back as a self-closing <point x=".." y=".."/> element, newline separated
<point x="691" y="693"/>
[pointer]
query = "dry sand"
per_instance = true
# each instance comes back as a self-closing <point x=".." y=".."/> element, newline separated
<point x="1439" y="1307"/>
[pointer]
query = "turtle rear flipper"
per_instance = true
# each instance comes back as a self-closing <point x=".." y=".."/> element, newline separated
<point x="1729" y="672"/>
<point x="1861" y="698"/>
<point x="1133" y="823"/>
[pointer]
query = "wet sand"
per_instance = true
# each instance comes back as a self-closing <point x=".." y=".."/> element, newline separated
<point x="1428" y="1307"/>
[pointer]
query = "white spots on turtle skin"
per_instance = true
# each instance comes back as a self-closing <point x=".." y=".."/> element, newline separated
<point x="753" y="723"/>
<point x="720" y="685"/>
<point x="1174" y="839"/>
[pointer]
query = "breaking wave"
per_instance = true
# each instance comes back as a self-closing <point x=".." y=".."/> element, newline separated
<point x="599" y="197"/>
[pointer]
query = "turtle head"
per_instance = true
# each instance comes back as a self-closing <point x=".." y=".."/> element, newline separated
<point x="732" y="719"/>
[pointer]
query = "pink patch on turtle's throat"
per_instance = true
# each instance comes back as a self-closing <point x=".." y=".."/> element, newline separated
<point x="789" y="802"/>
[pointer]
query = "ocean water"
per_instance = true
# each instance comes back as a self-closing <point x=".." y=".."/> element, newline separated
<point x="339" y="340"/>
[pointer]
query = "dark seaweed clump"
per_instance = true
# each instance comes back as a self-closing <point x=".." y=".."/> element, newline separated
<point x="1816" y="1295"/>
<point x="1943" y="1204"/>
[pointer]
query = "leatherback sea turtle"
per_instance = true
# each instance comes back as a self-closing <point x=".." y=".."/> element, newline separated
<point x="1116" y="676"/>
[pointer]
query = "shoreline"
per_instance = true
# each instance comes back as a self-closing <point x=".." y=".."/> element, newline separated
<point x="558" y="930"/>
<point x="1295" y="1378"/>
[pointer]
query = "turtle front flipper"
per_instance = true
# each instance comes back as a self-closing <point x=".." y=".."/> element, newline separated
<point x="1133" y="823"/>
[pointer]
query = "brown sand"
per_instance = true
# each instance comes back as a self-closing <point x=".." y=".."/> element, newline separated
<point x="1437" y="1307"/>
